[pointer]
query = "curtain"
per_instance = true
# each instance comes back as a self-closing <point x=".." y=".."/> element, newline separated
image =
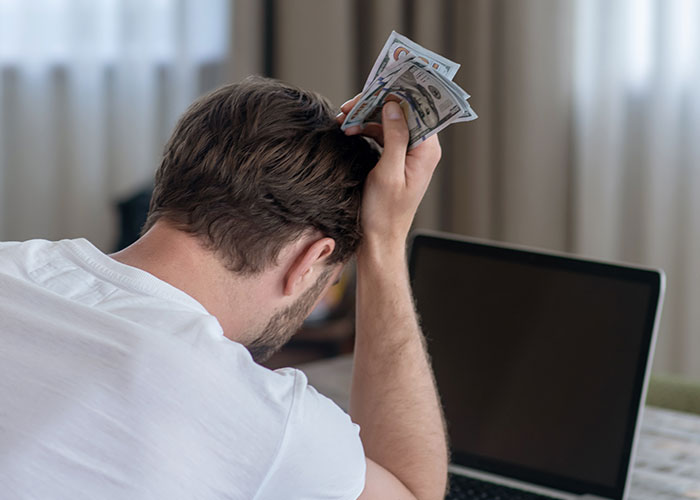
<point x="637" y="152"/>
<point x="587" y="137"/>
<point x="89" y="91"/>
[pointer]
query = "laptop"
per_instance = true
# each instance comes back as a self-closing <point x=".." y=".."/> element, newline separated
<point x="542" y="362"/>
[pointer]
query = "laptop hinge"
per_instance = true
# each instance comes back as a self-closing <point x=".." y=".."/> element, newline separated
<point x="513" y="483"/>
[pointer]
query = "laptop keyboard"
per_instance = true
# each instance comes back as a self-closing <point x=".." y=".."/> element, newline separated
<point x="467" y="488"/>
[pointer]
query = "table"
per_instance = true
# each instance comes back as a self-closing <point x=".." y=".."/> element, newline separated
<point x="666" y="465"/>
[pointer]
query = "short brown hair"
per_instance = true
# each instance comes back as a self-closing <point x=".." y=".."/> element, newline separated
<point x="253" y="165"/>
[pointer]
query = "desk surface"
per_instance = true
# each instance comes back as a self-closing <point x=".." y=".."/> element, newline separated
<point x="667" y="464"/>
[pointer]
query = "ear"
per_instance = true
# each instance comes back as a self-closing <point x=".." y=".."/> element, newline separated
<point x="308" y="265"/>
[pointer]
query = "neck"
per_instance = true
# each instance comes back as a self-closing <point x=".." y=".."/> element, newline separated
<point x="182" y="261"/>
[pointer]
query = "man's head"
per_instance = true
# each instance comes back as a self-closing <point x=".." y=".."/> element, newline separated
<point x="253" y="165"/>
<point x="262" y="177"/>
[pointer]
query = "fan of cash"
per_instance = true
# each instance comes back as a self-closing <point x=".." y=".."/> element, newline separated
<point x="421" y="81"/>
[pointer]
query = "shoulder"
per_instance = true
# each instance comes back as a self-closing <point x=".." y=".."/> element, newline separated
<point x="8" y="245"/>
<point x="320" y="454"/>
<point x="292" y="441"/>
<point x="21" y="250"/>
<point x="28" y="246"/>
<point x="19" y="258"/>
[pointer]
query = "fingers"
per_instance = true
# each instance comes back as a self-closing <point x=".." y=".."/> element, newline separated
<point x="372" y="130"/>
<point x="354" y="130"/>
<point x="422" y="161"/>
<point x="429" y="150"/>
<point x="346" y="107"/>
<point x="349" y="104"/>
<point x="395" y="136"/>
<point x="375" y="131"/>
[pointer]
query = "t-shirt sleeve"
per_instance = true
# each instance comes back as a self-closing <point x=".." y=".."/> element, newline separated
<point x="320" y="455"/>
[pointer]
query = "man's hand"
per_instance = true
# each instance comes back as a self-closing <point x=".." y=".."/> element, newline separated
<point x="393" y="395"/>
<point x="397" y="184"/>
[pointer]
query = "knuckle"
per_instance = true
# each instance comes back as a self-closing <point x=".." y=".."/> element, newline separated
<point x="434" y="151"/>
<point x="437" y="151"/>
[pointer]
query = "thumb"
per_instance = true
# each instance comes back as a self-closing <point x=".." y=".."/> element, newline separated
<point x="395" y="134"/>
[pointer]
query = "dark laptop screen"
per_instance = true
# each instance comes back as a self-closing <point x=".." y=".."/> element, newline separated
<point x="539" y="359"/>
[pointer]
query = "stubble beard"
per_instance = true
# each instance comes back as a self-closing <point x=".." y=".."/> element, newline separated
<point x="285" y="323"/>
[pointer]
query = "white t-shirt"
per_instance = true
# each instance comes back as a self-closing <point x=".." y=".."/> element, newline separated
<point x="116" y="385"/>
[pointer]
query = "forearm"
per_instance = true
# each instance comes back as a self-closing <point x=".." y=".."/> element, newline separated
<point x="393" y="394"/>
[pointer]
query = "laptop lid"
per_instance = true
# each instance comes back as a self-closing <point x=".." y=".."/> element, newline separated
<point x="541" y="359"/>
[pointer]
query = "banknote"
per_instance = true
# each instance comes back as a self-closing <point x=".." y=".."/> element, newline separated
<point x="398" y="47"/>
<point x="421" y="82"/>
<point x="424" y="94"/>
<point x="458" y="93"/>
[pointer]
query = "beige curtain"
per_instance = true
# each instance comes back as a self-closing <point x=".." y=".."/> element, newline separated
<point x="515" y="174"/>
<point x="515" y="62"/>
<point x="89" y="92"/>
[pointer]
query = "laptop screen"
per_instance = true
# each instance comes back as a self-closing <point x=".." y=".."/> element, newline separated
<point x="539" y="359"/>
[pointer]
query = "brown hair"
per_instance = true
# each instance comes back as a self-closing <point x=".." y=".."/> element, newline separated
<point x="253" y="165"/>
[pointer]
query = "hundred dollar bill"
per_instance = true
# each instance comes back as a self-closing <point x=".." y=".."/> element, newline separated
<point x="398" y="47"/>
<point x="421" y="81"/>
<point x="426" y="97"/>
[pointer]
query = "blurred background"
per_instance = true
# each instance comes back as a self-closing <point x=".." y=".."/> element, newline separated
<point x="588" y="139"/>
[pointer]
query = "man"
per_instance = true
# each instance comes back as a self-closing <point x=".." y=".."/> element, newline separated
<point x="133" y="375"/>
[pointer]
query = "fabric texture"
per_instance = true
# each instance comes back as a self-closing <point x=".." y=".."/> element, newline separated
<point x="115" y="384"/>
<point x="586" y="140"/>
<point x="89" y="93"/>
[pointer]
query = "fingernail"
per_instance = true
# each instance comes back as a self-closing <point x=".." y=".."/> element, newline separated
<point x="346" y="103"/>
<point x="339" y="115"/>
<point x="392" y="110"/>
